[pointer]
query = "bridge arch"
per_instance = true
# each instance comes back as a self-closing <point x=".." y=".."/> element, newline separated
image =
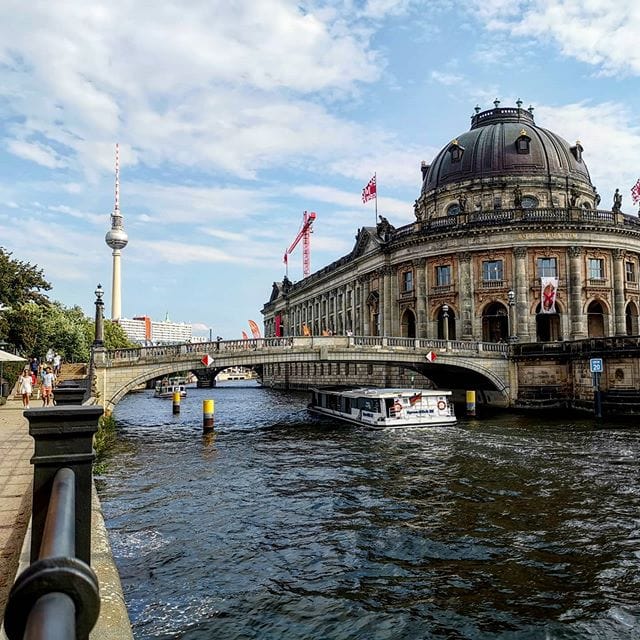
<point x="483" y="365"/>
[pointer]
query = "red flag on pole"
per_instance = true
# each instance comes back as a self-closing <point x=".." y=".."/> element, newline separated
<point x="285" y="259"/>
<point x="370" y="191"/>
<point x="635" y="192"/>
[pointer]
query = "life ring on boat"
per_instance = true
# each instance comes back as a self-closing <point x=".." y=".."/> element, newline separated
<point x="442" y="405"/>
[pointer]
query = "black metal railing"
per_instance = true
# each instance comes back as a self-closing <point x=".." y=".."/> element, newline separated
<point x="57" y="596"/>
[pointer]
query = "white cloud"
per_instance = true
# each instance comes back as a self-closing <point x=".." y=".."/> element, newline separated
<point x="222" y="85"/>
<point x="174" y="252"/>
<point x="610" y="136"/>
<point x="602" y="33"/>
<point x="447" y="79"/>
<point x="38" y="153"/>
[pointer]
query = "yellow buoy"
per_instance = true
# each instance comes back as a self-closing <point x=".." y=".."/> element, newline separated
<point x="176" y="402"/>
<point x="208" y="408"/>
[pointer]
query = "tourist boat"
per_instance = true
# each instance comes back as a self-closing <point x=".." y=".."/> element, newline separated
<point x="383" y="408"/>
<point x="166" y="387"/>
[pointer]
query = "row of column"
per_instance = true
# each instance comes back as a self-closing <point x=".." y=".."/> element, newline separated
<point x="312" y="314"/>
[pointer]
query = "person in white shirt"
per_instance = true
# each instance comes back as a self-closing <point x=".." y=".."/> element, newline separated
<point x="56" y="364"/>
<point x="48" y="380"/>
<point x="25" y="386"/>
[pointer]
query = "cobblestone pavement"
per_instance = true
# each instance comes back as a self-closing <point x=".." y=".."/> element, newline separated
<point x="16" y="477"/>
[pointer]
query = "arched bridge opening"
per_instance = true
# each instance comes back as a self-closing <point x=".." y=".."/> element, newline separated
<point x="457" y="365"/>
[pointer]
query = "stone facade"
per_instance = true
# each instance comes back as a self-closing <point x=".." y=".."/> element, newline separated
<point x="500" y="207"/>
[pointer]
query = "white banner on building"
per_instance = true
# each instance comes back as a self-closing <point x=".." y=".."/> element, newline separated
<point x="549" y="288"/>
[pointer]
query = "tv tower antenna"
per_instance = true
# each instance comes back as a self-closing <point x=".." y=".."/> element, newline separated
<point x="117" y="240"/>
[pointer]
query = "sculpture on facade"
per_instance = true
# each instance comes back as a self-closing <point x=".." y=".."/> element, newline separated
<point x="517" y="197"/>
<point x="573" y="199"/>
<point x="384" y="229"/>
<point x="462" y="201"/>
<point x="617" y="201"/>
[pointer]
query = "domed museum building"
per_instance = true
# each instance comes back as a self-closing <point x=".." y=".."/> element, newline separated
<point x="510" y="243"/>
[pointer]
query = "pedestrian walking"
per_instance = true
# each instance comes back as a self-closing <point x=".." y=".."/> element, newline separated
<point x="25" y="387"/>
<point x="56" y="364"/>
<point x="48" y="380"/>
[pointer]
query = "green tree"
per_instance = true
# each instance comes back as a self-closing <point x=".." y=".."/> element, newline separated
<point x="23" y="326"/>
<point x="21" y="283"/>
<point x="115" y="337"/>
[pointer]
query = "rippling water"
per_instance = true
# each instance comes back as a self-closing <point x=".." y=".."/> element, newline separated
<point x="283" y="526"/>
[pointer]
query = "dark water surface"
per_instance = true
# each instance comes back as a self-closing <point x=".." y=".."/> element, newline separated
<point x="282" y="526"/>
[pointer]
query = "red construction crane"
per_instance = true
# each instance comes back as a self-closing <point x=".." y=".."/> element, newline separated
<point x="305" y="235"/>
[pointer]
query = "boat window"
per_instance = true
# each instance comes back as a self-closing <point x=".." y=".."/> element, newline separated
<point x="388" y="404"/>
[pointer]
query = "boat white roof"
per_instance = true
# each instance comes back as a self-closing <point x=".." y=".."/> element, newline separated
<point x="372" y="392"/>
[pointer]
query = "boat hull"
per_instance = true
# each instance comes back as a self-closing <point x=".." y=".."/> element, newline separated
<point x="385" y="408"/>
<point x="396" y="424"/>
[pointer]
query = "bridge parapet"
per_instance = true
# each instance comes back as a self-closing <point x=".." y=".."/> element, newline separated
<point x="188" y="351"/>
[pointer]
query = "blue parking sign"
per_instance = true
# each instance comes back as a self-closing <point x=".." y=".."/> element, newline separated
<point x="596" y="365"/>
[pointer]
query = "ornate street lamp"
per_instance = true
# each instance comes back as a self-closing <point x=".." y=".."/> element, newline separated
<point x="445" y="321"/>
<point x="511" y="297"/>
<point x="99" y="338"/>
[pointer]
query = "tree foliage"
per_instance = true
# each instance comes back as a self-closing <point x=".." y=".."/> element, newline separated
<point x="115" y="337"/>
<point x="33" y="324"/>
<point x="20" y="281"/>
<point x="34" y="329"/>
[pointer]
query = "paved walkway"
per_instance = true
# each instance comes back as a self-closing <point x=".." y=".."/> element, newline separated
<point x="16" y="477"/>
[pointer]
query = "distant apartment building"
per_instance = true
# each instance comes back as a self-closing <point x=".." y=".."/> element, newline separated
<point x="144" y="330"/>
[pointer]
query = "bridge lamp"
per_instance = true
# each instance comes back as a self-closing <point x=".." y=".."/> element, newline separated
<point x="511" y="300"/>
<point x="99" y="326"/>
<point x="445" y="321"/>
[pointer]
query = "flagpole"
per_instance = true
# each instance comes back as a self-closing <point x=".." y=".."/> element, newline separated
<point x="375" y="222"/>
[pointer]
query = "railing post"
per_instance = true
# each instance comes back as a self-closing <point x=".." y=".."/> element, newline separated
<point x="63" y="438"/>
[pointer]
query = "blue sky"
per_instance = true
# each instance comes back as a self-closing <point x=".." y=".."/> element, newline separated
<point x="233" y="118"/>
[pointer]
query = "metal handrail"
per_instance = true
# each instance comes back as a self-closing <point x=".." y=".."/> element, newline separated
<point x="57" y="596"/>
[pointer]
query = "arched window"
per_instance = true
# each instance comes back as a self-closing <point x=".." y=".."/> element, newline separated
<point x="453" y="209"/>
<point x="631" y="319"/>
<point x="595" y="320"/>
<point x="408" y="324"/>
<point x="495" y="323"/>
<point x="446" y="317"/>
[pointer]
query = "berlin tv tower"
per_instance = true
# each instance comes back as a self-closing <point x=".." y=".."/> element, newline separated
<point x="117" y="239"/>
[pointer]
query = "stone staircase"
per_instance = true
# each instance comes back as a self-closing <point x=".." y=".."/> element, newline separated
<point x="73" y="371"/>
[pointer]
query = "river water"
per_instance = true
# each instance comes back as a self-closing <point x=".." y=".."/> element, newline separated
<point x="283" y="526"/>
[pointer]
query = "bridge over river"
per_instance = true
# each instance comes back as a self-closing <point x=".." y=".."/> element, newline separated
<point x="473" y="365"/>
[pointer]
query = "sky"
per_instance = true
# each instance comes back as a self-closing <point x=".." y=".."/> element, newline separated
<point x="233" y="118"/>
